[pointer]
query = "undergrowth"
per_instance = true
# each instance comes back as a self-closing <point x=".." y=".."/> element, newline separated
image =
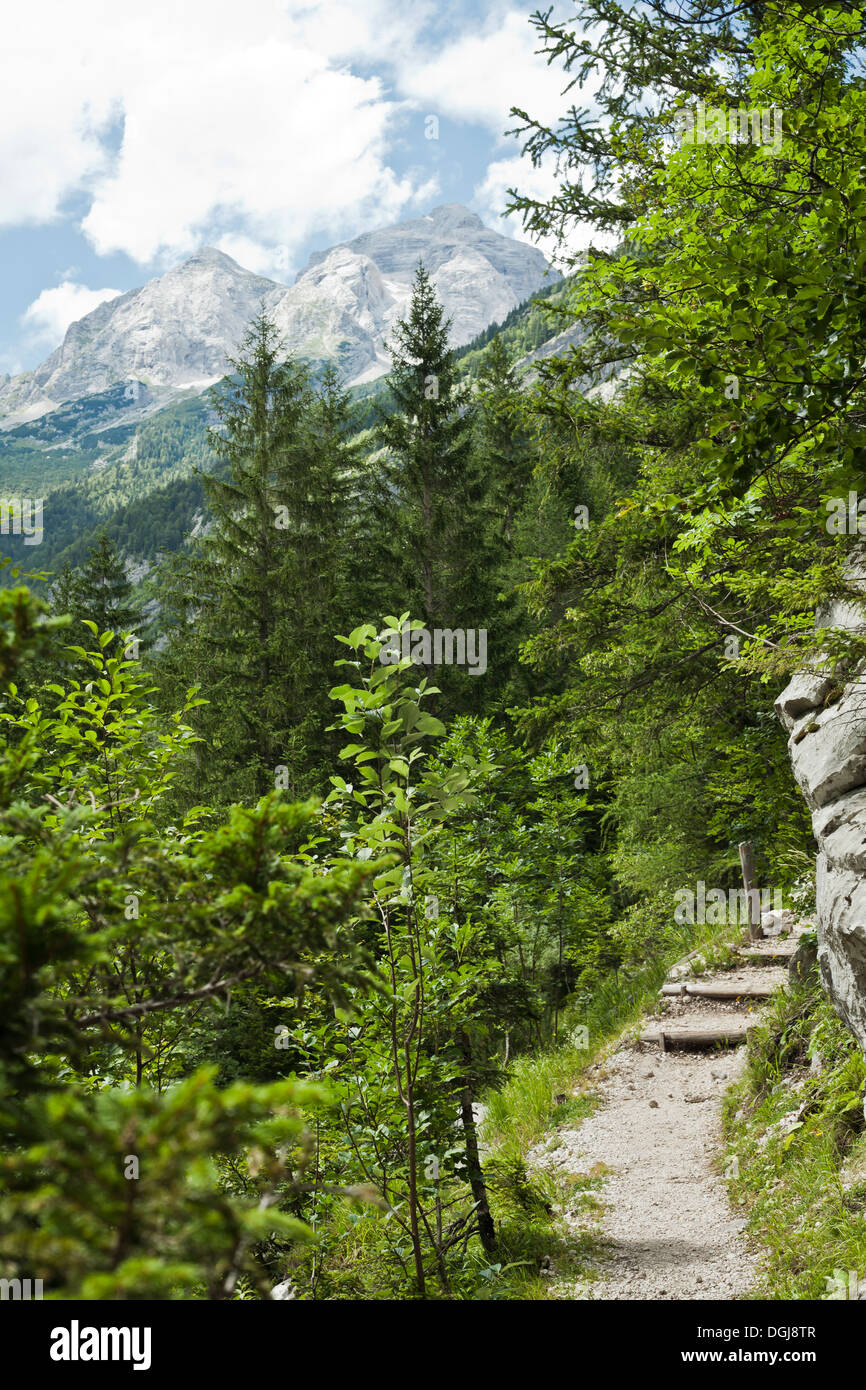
<point x="797" y="1147"/>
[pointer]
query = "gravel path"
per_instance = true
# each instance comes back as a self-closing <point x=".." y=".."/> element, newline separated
<point x="668" y="1228"/>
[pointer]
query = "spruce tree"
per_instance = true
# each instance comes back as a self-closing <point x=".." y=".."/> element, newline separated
<point x="427" y="486"/>
<point x="428" y="528"/>
<point x="503" y="442"/>
<point x="265" y="578"/>
<point x="99" y="593"/>
<point x="333" y="434"/>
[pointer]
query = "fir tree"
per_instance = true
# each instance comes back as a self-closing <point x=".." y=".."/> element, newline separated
<point x="265" y="580"/>
<point x="429" y="524"/>
<point x="100" y="593"/>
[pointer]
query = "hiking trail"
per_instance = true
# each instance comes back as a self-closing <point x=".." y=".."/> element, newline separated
<point x="664" y="1219"/>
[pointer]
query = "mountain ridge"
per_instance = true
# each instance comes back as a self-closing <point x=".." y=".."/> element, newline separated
<point x="132" y="477"/>
<point x="178" y="331"/>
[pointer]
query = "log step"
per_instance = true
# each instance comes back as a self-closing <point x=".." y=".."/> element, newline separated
<point x="717" y="991"/>
<point x="765" y="957"/>
<point x="697" y="1039"/>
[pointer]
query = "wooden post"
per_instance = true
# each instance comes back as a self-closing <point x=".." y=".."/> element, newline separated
<point x="747" y="861"/>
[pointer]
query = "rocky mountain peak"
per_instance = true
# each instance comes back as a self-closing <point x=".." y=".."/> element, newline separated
<point x="208" y="258"/>
<point x="179" y="330"/>
<point x="454" y="216"/>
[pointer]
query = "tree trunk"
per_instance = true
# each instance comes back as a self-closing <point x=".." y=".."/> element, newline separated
<point x="413" y="1185"/>
<point x="486" y="1228"/>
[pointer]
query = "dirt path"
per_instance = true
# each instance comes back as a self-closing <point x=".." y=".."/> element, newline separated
<point x="667" y="1226"/>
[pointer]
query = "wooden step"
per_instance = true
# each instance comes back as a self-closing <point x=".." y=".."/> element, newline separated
<point x="697" y="1039"/>
<point x="766" y="957"/>
<point x="698" y="990"/>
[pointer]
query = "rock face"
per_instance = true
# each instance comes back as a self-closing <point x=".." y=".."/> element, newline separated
<point x="179" y="330"/>
<point x="826" y="721"/>
<point x="345" y="304"/>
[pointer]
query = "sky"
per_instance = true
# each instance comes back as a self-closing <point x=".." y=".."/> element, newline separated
<point x="133" y="134"/>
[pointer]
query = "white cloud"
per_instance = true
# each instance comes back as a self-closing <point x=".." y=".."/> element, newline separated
<point x="477" y="78"/>
<point x="272" y="262"/>
<point x="49" y="316"/>
<point x="542" y="182"/>
<point x="51" y="129"/>
<point x="481" y="74"/>
<point x="179" y="124"/>
<point x="271" y="136"/>
<point x="491" y="195"/>
<point x="375" y="31"/>
<point x="176" y="125"/>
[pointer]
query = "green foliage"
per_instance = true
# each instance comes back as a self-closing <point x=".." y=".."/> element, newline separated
<point x="410" y="1052"/>
<point x="795" y="1128"/>
<point x="292" y="1008"/>
<point x="251" y="615"/>
<point x="425" y="499"/>
<point x="95" y="1228"/>
<point x="111" y="922"/>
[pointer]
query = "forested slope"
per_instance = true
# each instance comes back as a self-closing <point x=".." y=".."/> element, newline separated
<point x="134" y="481"/>
<point x="449" y="723"/>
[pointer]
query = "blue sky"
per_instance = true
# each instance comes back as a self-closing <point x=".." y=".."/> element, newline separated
<point x="134" y="134"/>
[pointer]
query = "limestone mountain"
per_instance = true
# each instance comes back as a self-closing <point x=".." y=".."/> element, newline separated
<point x="346" y="302"/>
<point x="178" y="331"/>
